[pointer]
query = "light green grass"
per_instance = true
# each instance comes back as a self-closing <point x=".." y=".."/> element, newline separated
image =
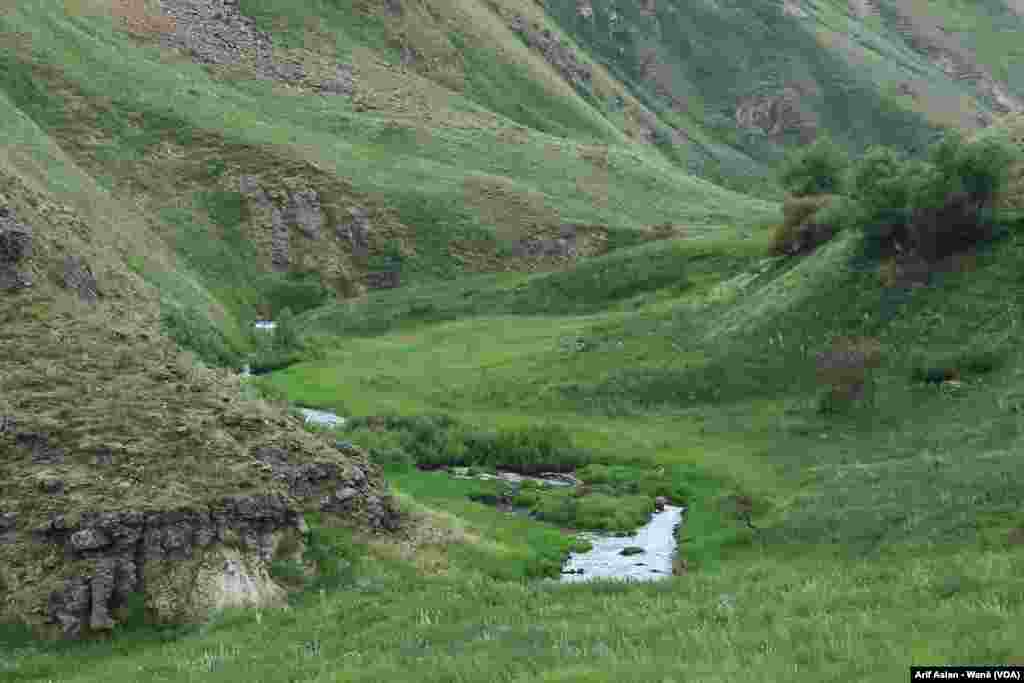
<point x="816" y="618"/>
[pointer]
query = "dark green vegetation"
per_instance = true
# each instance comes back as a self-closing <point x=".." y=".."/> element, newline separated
<point x="843" y="522"/>
<point x="440" y="441"/>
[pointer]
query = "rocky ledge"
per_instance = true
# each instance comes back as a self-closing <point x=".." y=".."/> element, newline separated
<point x="73" y="574"/>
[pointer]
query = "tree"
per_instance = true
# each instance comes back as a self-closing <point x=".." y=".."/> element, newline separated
<point x="817" y="169"/>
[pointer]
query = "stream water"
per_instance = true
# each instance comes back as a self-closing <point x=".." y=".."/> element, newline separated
<point x="322" y="417"/>
<point x="606" y="561"/>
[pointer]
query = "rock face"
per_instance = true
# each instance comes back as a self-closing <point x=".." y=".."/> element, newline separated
<point x="119" y="553"/>
<point x="555" y="51"/>
<point x="187" y="561"/>
<point x="266" y="210"/>
<point x="15" y="250"/>
<point x="356" y="230"/>
<point x="216" y="32"/>
<point x="383" y="279"/>
<point x="342" y="83"/>
<point x="79" y="278"/>
<point x="304" y="211"/>
<point x="563" y="246"/>
<point x="777" y="114"/>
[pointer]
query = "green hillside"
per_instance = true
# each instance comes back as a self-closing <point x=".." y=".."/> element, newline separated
<point x="508" y="235"/>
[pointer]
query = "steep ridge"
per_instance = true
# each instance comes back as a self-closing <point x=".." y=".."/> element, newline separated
<point x="126" y="468"/>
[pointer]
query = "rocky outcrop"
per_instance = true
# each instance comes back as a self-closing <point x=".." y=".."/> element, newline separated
<point x="777" y="115"/>
<point x="116" y="554"/>
<point x="383" y="279"/>
<point x="15" y="251"/>
<point x="131" y="476"/>
<point x="562" y="246"/>
<point x="356" y="230"/>
<point x="929" y="37"/>
<point x="335" y="489"/>
<point x="265" y="211"/>
<point x="78" y="277"/>
<point x="183" y="561"/>
<point x="304" y="212"/>
<point x="555" y="51"/>
<point x="216" y="32"/>
<point x="793" y="9"/>
<point x="341" y="84"/>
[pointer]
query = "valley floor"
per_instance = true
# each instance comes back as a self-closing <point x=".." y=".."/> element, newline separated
<point x="883" y="536"/>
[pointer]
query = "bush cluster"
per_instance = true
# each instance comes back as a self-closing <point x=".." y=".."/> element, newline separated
<point x="441" y="441"/>
<point x="279" y="349"/>
<point x="192" y="330"/>
<point x="816" y="170"/>
<point x="924" y="210"/>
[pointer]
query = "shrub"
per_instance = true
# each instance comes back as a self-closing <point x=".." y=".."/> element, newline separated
<point x="439" y="440"/>
<point x="286" y="334"/>
<point x="537" y="448"/>
<point x="846" y="368"/>
<point x="192" y="330"/>
<point x="972" y="361"/>
<point x="930" y="210"/>
<point x="808" y="222"/>
<point x="818" y="169"/>
<point x="297" y="291"/>
<point x="883" y="183"/>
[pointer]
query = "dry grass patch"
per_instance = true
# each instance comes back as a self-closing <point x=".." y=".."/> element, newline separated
<point x="515" y="212"/>
<point x="425" y="535"/>
<point x="800" y="232"/>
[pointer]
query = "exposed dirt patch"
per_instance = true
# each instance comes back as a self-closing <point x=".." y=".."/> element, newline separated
<point x="927" y="35"/>
<point x="515" y="211"/>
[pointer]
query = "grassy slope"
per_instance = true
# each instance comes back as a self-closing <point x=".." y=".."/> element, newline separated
<point x="693" y="63"/>
<point x="449" y="186"/>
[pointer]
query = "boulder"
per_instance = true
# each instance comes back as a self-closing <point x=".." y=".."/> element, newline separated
<point x="383" y="279"/>
<point x="304" y="212"/>
<point x="659" y="503"/>
<point x="78" y="277"/>
<point x="341" y="84"/>
<point x="278" y="241"/>
<point x="15" y="250"/>
<point x="356" y="230"/>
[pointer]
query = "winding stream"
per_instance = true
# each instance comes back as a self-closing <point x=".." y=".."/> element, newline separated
<point x="650" y="549"/>
<point x="606" y="561"/>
